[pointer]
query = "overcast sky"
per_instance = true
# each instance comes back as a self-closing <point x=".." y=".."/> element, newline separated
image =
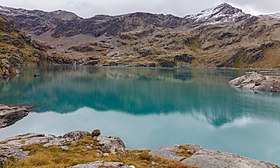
<point x="87" y="8"/>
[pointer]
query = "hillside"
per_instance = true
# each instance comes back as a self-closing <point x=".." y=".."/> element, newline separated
<point x="223" y="36"/>
<point x="17" y="49"/>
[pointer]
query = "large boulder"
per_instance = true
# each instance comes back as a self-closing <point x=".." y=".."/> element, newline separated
<point x="111" y="144"/>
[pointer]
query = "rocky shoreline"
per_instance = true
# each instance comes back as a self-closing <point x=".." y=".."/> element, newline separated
<point x="11" y="114"/>
<point x="257" y="82"/>
<point x="187" y="154"/>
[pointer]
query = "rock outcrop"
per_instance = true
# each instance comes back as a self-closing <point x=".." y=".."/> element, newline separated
<point x="257" y="82"/>
<point x="12" y="147"/>
<point x="204" y="158"/>
<point x="9" y="115"/>
<point x="111" y="144"/>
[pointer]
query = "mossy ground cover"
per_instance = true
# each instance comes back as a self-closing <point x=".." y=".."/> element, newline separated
<point x="85" y="151"/>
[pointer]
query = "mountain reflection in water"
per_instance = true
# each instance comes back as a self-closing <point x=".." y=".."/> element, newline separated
<point x="139" y="91"/>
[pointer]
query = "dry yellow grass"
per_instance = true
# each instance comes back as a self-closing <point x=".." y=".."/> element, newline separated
<point x="79" y="153"/>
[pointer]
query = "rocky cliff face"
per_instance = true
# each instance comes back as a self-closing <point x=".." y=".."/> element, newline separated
<point x="223" y="36"/>
<point x="16" y="49"/>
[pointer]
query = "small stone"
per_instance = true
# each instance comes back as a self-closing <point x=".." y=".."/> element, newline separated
<point x="153" y="163"/>
<point x="64" y="147"/>
<point x="95" y="133"/>
<point x="105" y="154"/>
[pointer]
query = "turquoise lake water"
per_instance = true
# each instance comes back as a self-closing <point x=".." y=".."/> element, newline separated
<point x="148" y="108"/>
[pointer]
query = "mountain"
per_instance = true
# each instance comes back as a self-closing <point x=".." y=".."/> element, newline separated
<point x="16" y="49"/>
<point x="223" y="36"/>
<point x="221" y="14"/>
<point x="67" y="24"/>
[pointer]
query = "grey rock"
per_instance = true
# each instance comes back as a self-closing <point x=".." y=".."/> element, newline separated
<point x="257" y="82"/>
<point x="214" y="159"/>
<point x="11" y="147"/>
<point x="75" y="135"/>
<point x="111" y="144"/>
<point x="64" y="147"/>
<point x="102" y="164"/>
<point x="9" y="115"/>
<point x="7" y="151"/>
<point x="169" y="152"/>
<point x="32" y="138"/>
<point x="205" y="158"/>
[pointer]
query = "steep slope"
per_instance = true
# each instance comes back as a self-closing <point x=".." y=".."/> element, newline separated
<point x="223" y="36"/>
<point x="16" y="49"/>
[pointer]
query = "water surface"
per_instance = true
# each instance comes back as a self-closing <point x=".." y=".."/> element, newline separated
<point x="148" y="107"/>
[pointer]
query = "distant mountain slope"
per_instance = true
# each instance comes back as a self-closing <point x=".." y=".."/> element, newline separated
<point x="63" y="23"/>
<point x="16" y="49"/>
<point x="223" y="36"/>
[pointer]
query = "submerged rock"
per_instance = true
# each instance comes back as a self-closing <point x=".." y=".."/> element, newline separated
<point x="205" y="158"/>
<point x="9" y="115"/>
<point x="257" y="82"/>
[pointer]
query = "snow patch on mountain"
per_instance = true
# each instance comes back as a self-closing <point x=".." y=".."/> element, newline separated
<point x="220" y="14"/>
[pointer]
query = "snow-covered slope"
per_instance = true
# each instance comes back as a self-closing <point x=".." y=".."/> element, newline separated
<point x="220" y="14"/>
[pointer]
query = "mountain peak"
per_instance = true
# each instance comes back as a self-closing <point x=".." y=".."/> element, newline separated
<point x="225" y="5"/>
<point x="219" y="14"/>
<point x="226" y="8"/>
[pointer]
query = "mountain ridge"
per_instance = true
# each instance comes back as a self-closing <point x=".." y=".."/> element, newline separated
<point x="223" y="36"/>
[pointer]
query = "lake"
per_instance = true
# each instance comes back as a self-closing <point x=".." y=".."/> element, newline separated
<point x="148" y="107"/>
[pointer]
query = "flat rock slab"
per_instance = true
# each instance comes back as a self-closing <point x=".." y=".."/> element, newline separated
<point x="102" y="164"/>
<point x="9" y="115"/>
<point x="11" y="147"/>
<point x="205" y="158"/>
<point x="257" y="82"/>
